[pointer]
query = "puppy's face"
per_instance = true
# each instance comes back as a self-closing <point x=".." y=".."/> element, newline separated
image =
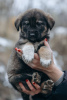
<point x="34" y="25"/>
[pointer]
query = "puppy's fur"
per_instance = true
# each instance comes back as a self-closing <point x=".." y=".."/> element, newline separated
<point x="34" y="26"/>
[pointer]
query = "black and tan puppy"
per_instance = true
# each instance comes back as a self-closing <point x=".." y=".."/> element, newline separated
<point x="34" y="26"/>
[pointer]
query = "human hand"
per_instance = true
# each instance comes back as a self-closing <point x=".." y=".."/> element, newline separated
<point x="19" y="51"/>
<point x="52" y="70"/>
<point x="32" y="90"/>
<point x="35" y="64"/>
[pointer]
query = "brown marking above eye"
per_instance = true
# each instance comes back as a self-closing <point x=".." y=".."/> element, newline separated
<point x="39" y="21"/>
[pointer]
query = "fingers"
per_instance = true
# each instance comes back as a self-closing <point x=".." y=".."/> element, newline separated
<point x="32" y="65"/>
<point x="35" y="61"/>
<point x="36" y="85"/>
<point x="32" y="90"/>
<point x="46" y="44"/>
<point x="52" y="57"/>
<point x="19" y="51"/>
<point x="23" y="88"/>
<point x="36" y="56"/>
<point x="30" y="85"/>
<point x="38" y="89"/>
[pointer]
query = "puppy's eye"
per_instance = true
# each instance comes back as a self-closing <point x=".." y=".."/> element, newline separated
<point x="26" y="22"/>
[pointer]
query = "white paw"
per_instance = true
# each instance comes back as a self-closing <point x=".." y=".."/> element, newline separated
<point x="45" y="56"/>
<point x="45" y="62"/>
<point x="28" y="53"/>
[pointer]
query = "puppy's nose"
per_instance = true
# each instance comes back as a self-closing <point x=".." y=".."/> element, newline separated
<point x="32" y="34"/>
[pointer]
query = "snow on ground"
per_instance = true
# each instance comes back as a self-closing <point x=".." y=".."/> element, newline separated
<point x="2" y="69"/>
<point x="19" y="99"/>
<point x="6" y="82"/>
<point x="5" y="42"/>
<point x="60" y="30"/>
<point x="4" y="77"/>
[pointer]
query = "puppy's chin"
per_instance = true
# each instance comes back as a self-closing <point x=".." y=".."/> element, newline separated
<point x="32" y="40"/>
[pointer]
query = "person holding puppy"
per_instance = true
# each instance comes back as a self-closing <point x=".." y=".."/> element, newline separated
<point x="59" y="78"/>
<point x="34" y="26"/>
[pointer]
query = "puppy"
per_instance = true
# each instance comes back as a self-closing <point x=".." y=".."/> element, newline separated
<point x="34" y="26"/>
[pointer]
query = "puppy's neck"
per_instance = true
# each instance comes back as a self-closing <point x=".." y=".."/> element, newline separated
<point x="37" y="45"/>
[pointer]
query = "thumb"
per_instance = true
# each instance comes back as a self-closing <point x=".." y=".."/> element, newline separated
<point x="36" y="56"/>
<point x="46" y="44"/>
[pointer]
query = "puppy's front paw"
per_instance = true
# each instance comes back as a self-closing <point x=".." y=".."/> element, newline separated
<point x="28" y="53"/>
<point x="45" y="56"/>
<point x="36" y="77"/>
<point x="47" y="86"/>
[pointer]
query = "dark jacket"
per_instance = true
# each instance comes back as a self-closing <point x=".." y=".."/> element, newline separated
<point x="58" y="93"/>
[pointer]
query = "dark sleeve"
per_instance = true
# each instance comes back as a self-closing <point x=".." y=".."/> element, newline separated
<point x="60" y="92"/>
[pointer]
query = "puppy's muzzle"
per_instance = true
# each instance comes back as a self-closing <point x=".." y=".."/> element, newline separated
<point x="33" y="35"/>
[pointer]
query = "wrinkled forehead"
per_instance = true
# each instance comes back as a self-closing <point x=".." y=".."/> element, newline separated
<point x="33" y="15"/>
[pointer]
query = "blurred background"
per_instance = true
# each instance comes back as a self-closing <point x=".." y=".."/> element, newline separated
<point x="9" y="10"/>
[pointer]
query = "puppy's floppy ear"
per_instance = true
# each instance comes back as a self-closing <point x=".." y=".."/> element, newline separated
<point x="17" y="24"/>
<point x="50" y="21"/>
